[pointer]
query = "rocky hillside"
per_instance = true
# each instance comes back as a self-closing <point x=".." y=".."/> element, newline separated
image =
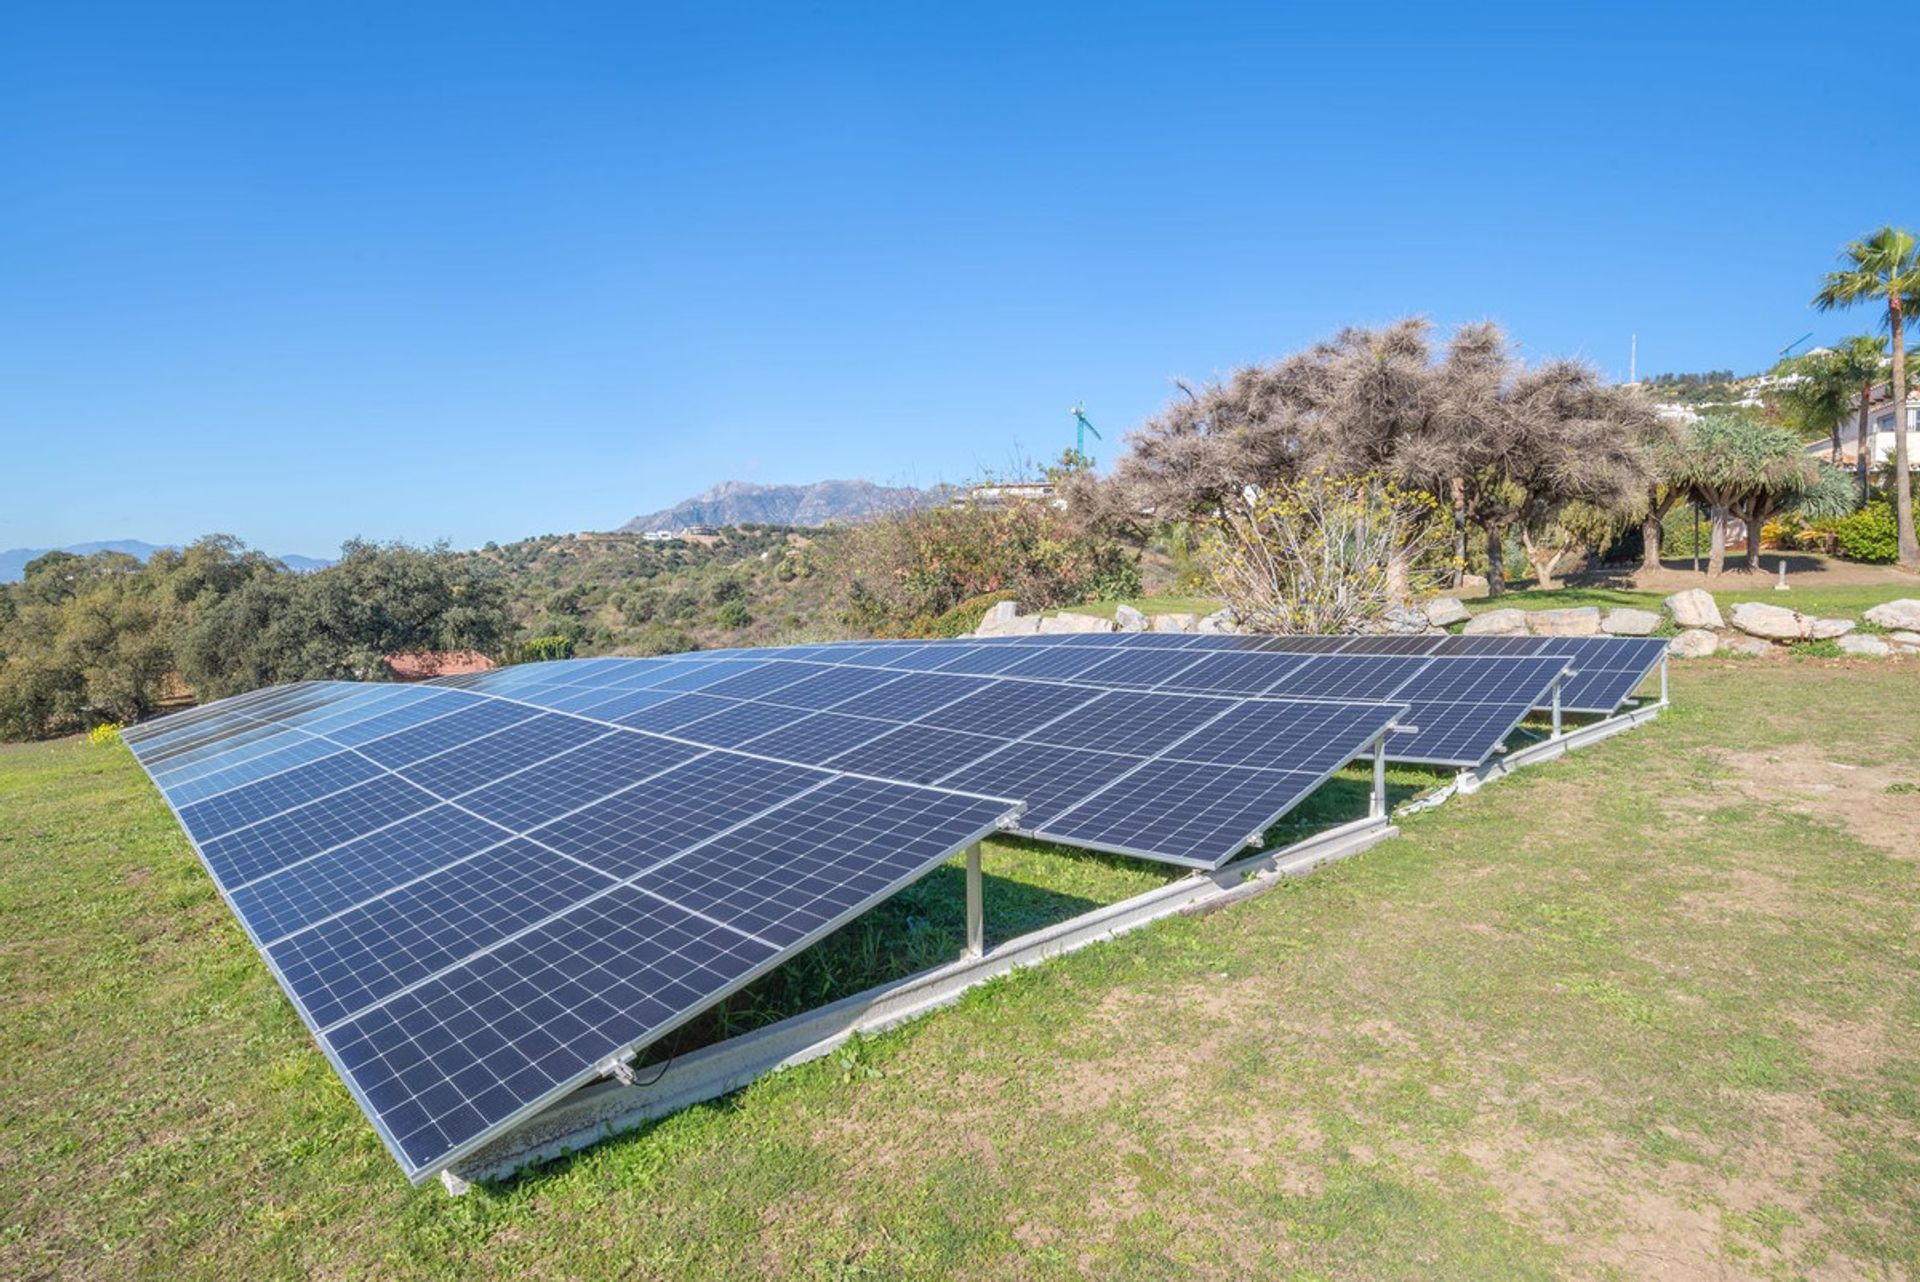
<point x="744" y="503"/>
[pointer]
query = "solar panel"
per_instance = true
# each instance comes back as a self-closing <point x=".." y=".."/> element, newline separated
<point x="471" y="928"/>
<point x="1220" y="809"/>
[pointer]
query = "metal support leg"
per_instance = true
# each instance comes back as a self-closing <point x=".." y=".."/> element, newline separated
<point x="1663" y="678"/>
<point x="1378" y="805"/>
<point x="976" y="914"/>
<point x="1556" y="709"/>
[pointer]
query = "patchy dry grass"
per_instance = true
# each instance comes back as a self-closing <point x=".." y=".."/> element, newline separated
<point x="1648" y="1011"/>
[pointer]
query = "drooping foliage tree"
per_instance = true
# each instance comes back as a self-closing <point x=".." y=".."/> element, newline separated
<point x="1498" y="443"/>
<point x="1882" y="270"/>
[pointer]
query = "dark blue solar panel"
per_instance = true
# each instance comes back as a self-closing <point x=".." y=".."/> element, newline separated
<point x="1132" y="722"/>
<point x="616" y="704"/>
<point x="373" y="950"/>
<point x="1492" y="679"/>
<point x="1234" y="672"/>
<point x="263" y="798"/>
<point x="635" y="829"/>
<point x="386" y="723"/>
<point x="216" y="776"/>
<point x="293" y="835"/>
<point x="567" y="782"/>
<point x="1317" y="738"/>
<point x="816" y="738"/>
<point x="743" y="721"/>
<point x="1186" y="811"/>
<point x="832" y="686"/>
<point x="1047" y="778"/>
<point x="1056" y="662"/>
<point x="1340" y="676"/>
<point x="1290" y="645"/>
<point x="175" y="763"/>
<point x="318" y="888"/>
<point x="916" y="754"/>
<point x="790" y="875"/>
<point x="440" y="1066"/>
<point x="441" y="733"/>
<point x="665" y="717"/>
<point x="984" y="660"/>
<point x="1392" y="645"/>
<point x="1009" y="709"/>
<point x="1143" y="668"/>
<point x="502" y="753"/>
<point x="763" y="679"/>
<point x="912" y="696"/>
<point x="698" y="676"/>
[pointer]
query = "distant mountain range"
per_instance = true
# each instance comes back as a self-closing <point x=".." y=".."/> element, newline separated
<point x="13" y="562"/>
<point x="744" y="503"/>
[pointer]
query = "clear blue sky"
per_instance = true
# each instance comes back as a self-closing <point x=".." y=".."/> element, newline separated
<point x="301" y="272"/>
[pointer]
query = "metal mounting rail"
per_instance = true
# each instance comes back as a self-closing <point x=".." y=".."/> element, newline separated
<point x="606" y="1108"/>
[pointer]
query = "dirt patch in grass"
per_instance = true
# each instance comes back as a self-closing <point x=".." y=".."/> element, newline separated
<point x="1864" y="798"/>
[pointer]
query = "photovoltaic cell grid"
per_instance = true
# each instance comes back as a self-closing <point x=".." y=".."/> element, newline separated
<point x="1607" y="670"/>
<point x="1077" y="743"/>
<point x="477" y="904"/>
<point x="1463" y="718"/>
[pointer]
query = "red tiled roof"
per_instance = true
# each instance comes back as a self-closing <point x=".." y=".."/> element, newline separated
<point x="436" y="663"/>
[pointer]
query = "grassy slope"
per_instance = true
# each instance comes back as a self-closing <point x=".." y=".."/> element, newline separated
<point x="1651" y="1009"/>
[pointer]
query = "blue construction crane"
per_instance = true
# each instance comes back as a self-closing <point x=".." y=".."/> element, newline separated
<point x="1081" y="428"/>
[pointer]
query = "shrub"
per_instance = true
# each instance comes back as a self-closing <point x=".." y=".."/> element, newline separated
<point x="1868" y="535"/>
<point x="734" y="615"/>
<point x="907" y="570"/>
<point x="105" y="733"/>
<point x="963" y="618"/>
<point x="1322" y="554"/>
<point x="540" y="649"/>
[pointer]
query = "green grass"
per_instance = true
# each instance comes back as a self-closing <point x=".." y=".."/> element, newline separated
<point x="1654" y="1008"/>
<point x="1843" y="600"/>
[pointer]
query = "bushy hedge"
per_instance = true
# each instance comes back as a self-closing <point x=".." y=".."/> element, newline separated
<point x="1869" y="535"/>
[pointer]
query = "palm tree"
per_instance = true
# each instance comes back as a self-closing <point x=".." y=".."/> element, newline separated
<point x="1886" y="267"/>
<point x="1861" y="360"/>
<point x="1819" y="396"/>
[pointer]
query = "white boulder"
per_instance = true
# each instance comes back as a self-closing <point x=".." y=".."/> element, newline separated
<point x="1175" y="622"/>
<point x="1902" y="615"/>
<point x="1624" y="622"/>
<point x="1067" y="621"/>
<point x="1474" y="583"/>
<point x="1694" y="643"/>
<point x="1218" y="621"/>
<point x="1445" y="611"/>
<point x="1828" y="629"/>
<point x="1771" y="622"/>
<point x="1865" y="646"/>
<point x="998" y="618"/>
<point x="1580" y="621"/>
<point x="1753" y="646"/>
<point x="1904" y="640"/>
<point x="1504" y="622"/>
<point x="1695" y="608"/>
<point x="1128" y="619"/>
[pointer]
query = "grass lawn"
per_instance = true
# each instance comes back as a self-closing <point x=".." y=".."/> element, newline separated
<point x="1650" y="1010"/>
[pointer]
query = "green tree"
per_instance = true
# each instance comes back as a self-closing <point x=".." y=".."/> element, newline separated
<point x="1883" y="270"/>
<point x="1740" y="467"/>
<point x="1862" y="360"/>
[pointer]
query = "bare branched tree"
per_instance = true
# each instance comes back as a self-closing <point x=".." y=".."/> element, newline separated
<point x="1498" y="443"/>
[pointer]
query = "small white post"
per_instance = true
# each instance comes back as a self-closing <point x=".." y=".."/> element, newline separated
<point x="1556" y="707"/>
<point x="1377" y="806"/>
<point x="976" y="914"/>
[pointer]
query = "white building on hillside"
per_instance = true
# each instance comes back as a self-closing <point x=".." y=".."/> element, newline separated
<point x="1881" y="421"/>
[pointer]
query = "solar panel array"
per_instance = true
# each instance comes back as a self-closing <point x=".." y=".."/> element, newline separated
<point x="1462" y="707"/>
<point x="1607" y="669"/>
<point x="481" y="892"/>
<point x="475" y="904"/>
<point x="1069" y="751"/>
